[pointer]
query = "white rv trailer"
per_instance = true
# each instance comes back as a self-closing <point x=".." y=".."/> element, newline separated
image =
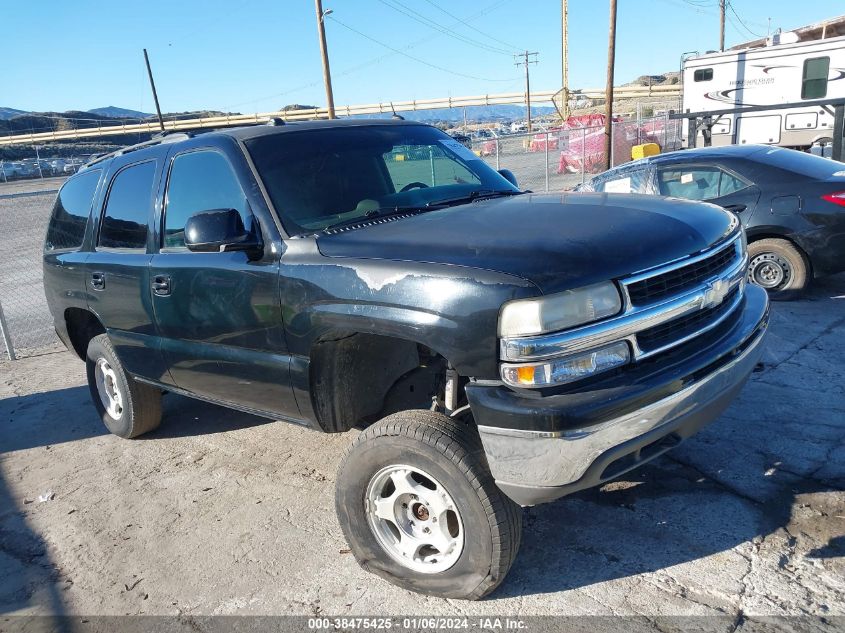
<point x="769" y="76"/>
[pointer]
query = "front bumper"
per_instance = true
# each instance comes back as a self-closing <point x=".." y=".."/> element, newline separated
<point x="542" y="448"/>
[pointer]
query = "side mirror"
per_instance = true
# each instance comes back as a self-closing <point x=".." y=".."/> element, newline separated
<point x="219" y="230"/>
<point x="507" y="174"/>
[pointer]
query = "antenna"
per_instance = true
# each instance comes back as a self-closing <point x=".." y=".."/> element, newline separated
<point x="153" y="86"/>
<point x="395" y="116"/>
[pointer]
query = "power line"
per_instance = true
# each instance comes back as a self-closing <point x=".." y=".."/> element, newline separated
<point x="416" y="59"/>
<point x="370" y="62"/>
<point x="470" y="26"/>
<point x="419" y="17"/>
<point x="739" y="19"/>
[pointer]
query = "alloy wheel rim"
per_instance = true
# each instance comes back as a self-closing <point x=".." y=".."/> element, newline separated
<point x="414" y="519"/>
<point x="769" y="271"/>
<point x="107" y="388"/>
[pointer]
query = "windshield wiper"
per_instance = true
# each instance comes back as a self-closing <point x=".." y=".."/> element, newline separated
<point x="474" y="195"/>
<point x="383" y="212"/>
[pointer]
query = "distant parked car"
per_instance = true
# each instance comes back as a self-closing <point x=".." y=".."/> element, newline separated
<point x="8" y="171"/>
<point x="463" y="139"/>
<point x="791" y="203"/>
<point x="57" y="166"/>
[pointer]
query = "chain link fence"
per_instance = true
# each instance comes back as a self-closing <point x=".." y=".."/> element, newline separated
<point x="555" y="159"/>
<point x="24" y="318"/>
<point x="560" y="158"/>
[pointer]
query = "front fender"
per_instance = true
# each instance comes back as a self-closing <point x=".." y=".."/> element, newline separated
<point x="453" y="310"/>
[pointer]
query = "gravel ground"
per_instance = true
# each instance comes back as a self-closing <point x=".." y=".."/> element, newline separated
<point x="218" y="512"/>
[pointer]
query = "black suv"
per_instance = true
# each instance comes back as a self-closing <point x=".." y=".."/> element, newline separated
<point x="499" y="349"/>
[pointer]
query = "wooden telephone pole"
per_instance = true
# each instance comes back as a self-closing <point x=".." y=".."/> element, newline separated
<point x="608" y="93"/>
<point x="327" y="73"/>
<point x="722" y="25"/>
<point x="525" y="62"/>
<point x="564" y="59"/>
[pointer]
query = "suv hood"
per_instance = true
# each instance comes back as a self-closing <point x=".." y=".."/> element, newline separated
<point x="557" y="242"/>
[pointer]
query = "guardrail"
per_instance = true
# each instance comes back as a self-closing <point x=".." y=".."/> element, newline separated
<point x="232" y="120"/>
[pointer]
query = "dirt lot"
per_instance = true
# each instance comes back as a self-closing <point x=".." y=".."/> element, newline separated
<point x="223" y="513"/>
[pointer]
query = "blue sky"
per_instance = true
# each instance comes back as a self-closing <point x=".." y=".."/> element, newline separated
<point x="259" y="55"/>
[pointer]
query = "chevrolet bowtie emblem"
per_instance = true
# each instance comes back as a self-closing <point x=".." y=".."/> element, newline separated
<point x="714" y="293"/>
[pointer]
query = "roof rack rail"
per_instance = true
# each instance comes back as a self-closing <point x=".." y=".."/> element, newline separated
<point x="158" y="139"/>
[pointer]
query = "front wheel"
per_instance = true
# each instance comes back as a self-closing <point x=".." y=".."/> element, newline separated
<point x="778" y="266"/>
<point x="419" y="507"/>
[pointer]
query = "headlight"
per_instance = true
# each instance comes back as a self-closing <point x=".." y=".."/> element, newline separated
<point x="560" y="311"/>
<point x="560" y="371"/>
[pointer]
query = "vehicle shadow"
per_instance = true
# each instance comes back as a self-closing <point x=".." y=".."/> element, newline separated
<point x="660" y="516"/>
<point x="67" y="415"/>
<point x="835" y="548"/>
<point x="29" y="579"/>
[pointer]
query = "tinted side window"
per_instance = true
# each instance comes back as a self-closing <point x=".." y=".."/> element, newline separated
<point x="730" y="183"/>
<point x="128" y="207"/>
<point x="200" y="181"/>
<point x="814" y="80"/>
<point x="703" y="74"/>
<point x="70" y="213"/>
<point x="697" y="183"/>
<point x="631" y="182"/>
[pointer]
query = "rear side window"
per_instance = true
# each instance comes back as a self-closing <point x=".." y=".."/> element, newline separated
<point x="632" y="182"/>
<point x="697" y="183"/>
<point x="703" y="74"/>
<point x="70" y="213"/>
<point x="128" y="207"/>
<point x="814" y="80"/>
<point x="200" y="181"/>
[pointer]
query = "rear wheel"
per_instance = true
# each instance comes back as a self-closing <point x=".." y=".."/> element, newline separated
<point x="778" y="266"/>
<point x="419" y="507"/>
<point x="128" y="408"/>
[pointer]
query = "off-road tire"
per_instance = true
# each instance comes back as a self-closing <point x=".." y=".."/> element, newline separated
<point x="451" y="451"/>
<point x="141" y="410"/>
<point x="799" y="269"/>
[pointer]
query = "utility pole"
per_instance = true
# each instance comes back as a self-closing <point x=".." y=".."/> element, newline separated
<point x="327" y="73"/>
<point x="564" y="59"/>
<point x="608" y="93"/>
<point x="153" y="86"/>
<point x="525" y="62"/>
<point x="722" y="25"/>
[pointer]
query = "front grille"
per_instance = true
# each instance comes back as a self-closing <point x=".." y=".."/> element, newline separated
<point x="669" y="333"/>
<point x="676" y="281"/>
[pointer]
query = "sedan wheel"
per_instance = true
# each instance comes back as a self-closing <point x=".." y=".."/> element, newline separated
<point x="778" y="266"/>
<point x="769" y="271"/>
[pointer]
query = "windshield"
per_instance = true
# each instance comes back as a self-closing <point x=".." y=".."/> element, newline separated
<point x="319" y="178"/>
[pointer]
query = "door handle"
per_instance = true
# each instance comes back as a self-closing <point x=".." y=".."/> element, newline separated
<point x="736" y="208"/>
<point x="98" y="281"/>
<point x="161" y="285"/>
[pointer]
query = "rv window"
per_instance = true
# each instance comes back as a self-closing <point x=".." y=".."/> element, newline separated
<point x="814" y="82"/>
<point x="703" y="74"/>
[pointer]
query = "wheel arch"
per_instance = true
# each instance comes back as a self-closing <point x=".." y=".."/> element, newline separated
<point x="82" y="325"/>
<point x="358" y="376"/>
<point x="775" y="233"/>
